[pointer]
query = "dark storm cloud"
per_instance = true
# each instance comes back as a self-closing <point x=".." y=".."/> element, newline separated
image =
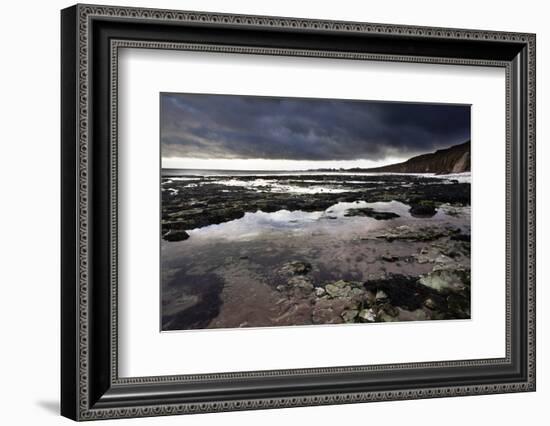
<point x="222" y="126"/>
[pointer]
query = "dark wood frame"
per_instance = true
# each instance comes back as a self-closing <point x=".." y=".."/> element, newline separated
<point x="91" y="37"/>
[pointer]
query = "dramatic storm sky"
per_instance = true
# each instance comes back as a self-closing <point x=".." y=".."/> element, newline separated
<point x="245" y="132"/>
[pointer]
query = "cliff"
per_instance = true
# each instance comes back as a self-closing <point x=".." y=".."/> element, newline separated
<point x="455" y="159"/>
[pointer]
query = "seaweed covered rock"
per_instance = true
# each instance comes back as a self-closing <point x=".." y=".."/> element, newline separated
<point x="175" y="235"/>
<point x="422" y="210"/>
<point x="444" y="279"/>
<point x="370" y="212"/>
<point x="296" y="267"/>
<point x="336" y="290"/>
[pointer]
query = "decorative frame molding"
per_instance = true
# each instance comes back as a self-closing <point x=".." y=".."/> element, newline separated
<point x="91" y="37"/>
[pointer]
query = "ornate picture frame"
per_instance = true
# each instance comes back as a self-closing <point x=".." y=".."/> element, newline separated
<point x="91" y="37"/>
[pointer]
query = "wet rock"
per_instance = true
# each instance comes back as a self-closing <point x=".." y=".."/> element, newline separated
<point x="403" y="291"/>
<point x="207" y="201"/>
<point x="370" y="212"/>
<point x="319" y="291"/>
<point x="301" y="285"/>
<point x="451" y="211"/>
<point x="405" y="298"/>
<point x="367" y="315"/>
<point x="349" y="315"/>
<point x="422" y="210"/>
<point x="444" y="260"/>
<point x="344" y="283"/>
<point x="336" y="291"/>
<point x="175" y="235"/>
<point x="453" y="254"/>
<point x="358" y="292"/>
<point x="370" y="297"/>
<point x="389" y="258"/>
<point x="380" y="297"/>
<point x="446" y="252"/>
<point x="296" y="267"/>
<point x="445" y="280"/>
<point x="211" y="201"/>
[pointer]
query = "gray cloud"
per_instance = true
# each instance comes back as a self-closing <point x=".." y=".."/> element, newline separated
<point x="227" y="126"/>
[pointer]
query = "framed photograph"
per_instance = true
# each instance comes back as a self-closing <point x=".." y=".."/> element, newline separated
<point x="263" y="212"/>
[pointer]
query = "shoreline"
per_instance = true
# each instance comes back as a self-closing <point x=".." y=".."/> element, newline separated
<point x="253" y="256"/>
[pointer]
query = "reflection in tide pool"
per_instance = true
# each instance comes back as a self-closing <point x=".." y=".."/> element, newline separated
<point x="331" y="221"/>
<point x="291" y="250"/>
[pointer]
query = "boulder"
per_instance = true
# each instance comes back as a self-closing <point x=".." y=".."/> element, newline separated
<point x="349" y="315"/>
<point x="296" y="267"/>
<point x="445" y="280"/>
<point x="370" y="212"/>
<point x="176" y="235"/>
<point x="422" y="210"/>
<point x="336" y="290"/>
<point x="367" y="315"/>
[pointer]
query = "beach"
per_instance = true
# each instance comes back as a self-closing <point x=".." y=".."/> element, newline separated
<point x="255" y="249"/>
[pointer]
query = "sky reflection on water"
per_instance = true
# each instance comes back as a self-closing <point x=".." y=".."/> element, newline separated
<point x="330" y="221"/>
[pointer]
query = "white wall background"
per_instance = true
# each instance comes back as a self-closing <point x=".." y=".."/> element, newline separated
<point x="29" y="225"/>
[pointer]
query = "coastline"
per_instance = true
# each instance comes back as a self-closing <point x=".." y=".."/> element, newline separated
<point x="272" y="249"/>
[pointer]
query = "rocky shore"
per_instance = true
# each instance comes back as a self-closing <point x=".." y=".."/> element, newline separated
<point x="442" y="293"/>
<point x="198" y="201"/>
<point x="366" y="265"/>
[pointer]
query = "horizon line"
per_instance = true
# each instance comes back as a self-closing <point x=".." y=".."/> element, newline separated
<point x="265" y="164"/>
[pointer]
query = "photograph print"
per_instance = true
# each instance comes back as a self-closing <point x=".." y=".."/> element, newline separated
<point x="282" y="211"/>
